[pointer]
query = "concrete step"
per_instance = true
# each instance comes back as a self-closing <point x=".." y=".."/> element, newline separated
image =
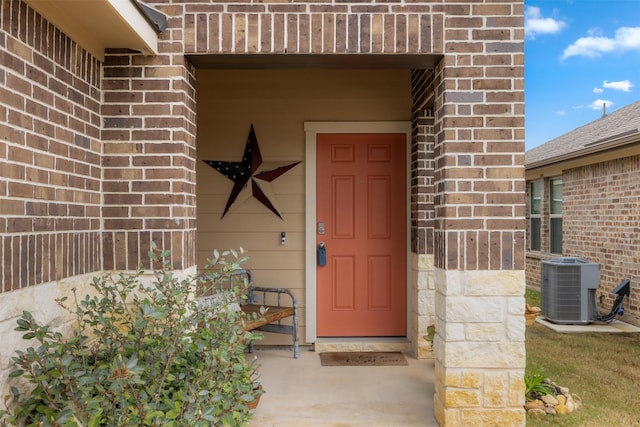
<point x="323" y="345"/>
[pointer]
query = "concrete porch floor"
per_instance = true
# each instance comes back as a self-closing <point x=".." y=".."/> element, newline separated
<point x="303" y="393"/>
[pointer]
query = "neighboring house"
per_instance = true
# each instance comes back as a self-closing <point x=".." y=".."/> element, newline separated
<point x="399" y="127"/>
<point x="583" y="190"/>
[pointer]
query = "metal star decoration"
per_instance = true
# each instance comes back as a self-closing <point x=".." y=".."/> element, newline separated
<point x="247" y="177"/>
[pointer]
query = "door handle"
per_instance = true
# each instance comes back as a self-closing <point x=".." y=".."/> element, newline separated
<point x="322" y="254"/>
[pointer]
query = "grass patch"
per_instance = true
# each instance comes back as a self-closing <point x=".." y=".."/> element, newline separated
<point x="532" y="297"/>
<point x="603" y="370"/>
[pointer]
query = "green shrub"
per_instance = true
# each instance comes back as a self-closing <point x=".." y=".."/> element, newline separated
<point x="536" y="385"/>
<point x="143" y="355"/>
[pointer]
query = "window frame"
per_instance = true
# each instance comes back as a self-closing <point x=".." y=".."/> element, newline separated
<point x="555" y="242"/>
<point x="535" y="216"/>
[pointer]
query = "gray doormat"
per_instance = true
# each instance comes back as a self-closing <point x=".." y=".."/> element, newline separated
<point x="363" y="358"/>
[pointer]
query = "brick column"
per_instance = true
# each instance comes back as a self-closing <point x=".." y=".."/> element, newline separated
<point x="479" y="220"/>
<point x="149" y="155"/>
<point x="422" y="291"/>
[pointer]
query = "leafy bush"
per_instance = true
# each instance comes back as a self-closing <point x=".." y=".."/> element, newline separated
<point x="536" y="384"/>
<point x="141" y="355"/>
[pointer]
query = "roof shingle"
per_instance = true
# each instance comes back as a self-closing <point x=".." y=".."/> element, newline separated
<point x="621" y="122"/>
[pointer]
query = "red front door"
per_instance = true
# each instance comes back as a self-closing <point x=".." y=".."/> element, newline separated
<point x="361" y="214"/>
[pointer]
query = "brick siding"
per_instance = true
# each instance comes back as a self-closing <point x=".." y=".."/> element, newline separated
<point x="146" y="101"/>
<point x="479" y="144"/>
<point x="600" y="224"/>
<point x="480" y="119"/>
<point x="422" y="163"/>
<point x="601" y="220"/>
<point x="313" y="27"/>
<point x="149" y="157"/>
<point x="50" y="154"/>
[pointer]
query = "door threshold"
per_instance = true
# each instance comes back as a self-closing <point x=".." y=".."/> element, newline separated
<point x="401" y="344"/>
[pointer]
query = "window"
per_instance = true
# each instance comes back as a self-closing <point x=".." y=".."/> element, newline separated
<point x="535" y="204"/>
<point x="555" y="216"/>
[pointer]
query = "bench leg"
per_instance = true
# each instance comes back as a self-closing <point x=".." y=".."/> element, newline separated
<point x="294" y="333"/>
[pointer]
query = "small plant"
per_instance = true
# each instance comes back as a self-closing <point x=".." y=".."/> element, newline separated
<point x="536" y="385"/>
<point x="431" y="333"/>
<point x="143" y="355"/>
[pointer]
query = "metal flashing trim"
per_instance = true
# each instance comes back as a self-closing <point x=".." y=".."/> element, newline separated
<point x="156" y="18"/>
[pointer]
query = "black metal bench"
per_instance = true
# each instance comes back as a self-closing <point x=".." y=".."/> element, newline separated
<point x="265" y="308"/>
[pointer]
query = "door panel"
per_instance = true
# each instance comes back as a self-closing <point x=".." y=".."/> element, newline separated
<point x="343" y="283"/>
<point x="361" y="199"/>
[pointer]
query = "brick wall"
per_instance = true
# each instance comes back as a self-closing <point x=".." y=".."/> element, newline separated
<point x="600" y="224"/>
<point x="422" y="162"/>
<point x="149" y="156"/>
<point x="480" y="36"/>
<point x="479" y="176"/>
<point x="313" y="27"/>
<point x="50" y="153"/>
<point x="149" y="151"/>
<point x="601" y="220"/>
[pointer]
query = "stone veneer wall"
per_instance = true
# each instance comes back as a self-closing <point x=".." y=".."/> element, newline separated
<point x="421" y="305"/>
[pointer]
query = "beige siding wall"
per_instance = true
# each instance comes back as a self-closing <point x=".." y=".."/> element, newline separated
<point x="277" y="103"/>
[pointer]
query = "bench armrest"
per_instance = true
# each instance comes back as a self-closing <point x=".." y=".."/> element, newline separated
<point x="258" y="295"/>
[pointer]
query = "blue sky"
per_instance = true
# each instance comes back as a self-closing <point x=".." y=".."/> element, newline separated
<point x="579" y="54"/>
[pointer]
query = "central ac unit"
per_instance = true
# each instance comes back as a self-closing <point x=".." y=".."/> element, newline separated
<point x="568" y="290"/>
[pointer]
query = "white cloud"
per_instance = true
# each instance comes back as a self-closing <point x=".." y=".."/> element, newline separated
<point x="629" y="38"/>
<point x="594" y="46"/>
<point x="535" y="24"/>
<point x="598" y="90"/>
<point x="595" y="32"/>
<point x="623" y="85"/>
<point x="597" y="104"/>
<point x="560" y="113"/>
<point x="591" y="47"/>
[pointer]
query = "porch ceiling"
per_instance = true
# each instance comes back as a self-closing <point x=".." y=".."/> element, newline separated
<point x="97" y="25"/>
<point x="317" y="61"/>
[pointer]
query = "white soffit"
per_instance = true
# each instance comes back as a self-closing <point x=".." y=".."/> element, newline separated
<point x="97" y="25"/>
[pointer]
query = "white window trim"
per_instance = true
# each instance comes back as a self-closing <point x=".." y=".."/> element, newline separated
<point x="535" y="215"/>
<point x="554" y="215"/>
